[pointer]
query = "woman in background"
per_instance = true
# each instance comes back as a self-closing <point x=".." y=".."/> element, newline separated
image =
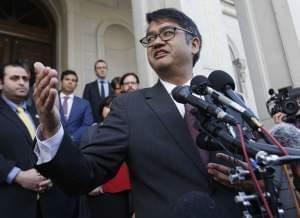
<point x="112" y="199"/>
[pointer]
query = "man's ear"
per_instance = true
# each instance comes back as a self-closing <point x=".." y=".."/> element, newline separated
<point x="196" y="45"/>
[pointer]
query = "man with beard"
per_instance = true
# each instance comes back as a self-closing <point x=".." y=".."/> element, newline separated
<point x="129" y="82"/>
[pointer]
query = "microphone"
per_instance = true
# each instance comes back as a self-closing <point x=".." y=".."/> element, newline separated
<point x="231" y="143"/>
<point x="287" y="134"/>
<point x="195" y="204"/>
<point x="223" y="82"/>
<point x="183" y="94"/>
<point x="200" y="85"/>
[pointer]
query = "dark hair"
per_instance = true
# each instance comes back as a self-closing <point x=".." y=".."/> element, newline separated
<point x="68" y="72"/>
<point x="181" y="19"/>
<point x="4" y="66"/>
<point x="115" y="81"/>
<point x="99" y="61"/>
<point x="129" y="74"/>
<point x="105" y="103"/>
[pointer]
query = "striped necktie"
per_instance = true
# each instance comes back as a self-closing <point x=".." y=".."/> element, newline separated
<point x="26" y="120"/>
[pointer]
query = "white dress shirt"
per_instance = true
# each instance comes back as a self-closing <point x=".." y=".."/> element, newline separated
<point x="70" y="102"/>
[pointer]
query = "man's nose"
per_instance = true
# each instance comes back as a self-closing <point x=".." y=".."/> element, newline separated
<point x="157" y="42"/>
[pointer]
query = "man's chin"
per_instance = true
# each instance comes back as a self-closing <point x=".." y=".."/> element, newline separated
<point x="130" y="90"/>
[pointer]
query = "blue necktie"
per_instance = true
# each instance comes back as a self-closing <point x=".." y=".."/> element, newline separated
<point x="102" y="91"/>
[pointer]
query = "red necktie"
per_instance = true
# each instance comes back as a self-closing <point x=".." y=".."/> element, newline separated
<point x="190" y="121"/>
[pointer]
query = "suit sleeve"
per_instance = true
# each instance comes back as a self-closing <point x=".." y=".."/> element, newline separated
<point x="87" y="120"/>
<point x="86" y="94"/>
<point x="79" y="171"/>
<point x="5" y="168"/>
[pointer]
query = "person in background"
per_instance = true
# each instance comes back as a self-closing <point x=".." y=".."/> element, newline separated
<point x="75" y="112"/>
<point x="129" y="82"/>
<point x="24" y="192"/>
<point x="115" y="84"/>
<point x="288" y="176"/>
<point x="95" y="92"/>
<point x="111" y="199"/>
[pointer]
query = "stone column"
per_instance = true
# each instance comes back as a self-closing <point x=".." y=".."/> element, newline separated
<point x="139" y="10"/>
<point x="271" y="47"/>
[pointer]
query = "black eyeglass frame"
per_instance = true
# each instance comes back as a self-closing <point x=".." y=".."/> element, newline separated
<point x="147" y="44"/>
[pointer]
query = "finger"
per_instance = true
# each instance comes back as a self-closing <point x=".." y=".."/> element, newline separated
<point x="231" y="159"/>
<point x="218" y="176"/>
<point x="43" y="80"/>
<point x="218" y="167"/>
<point x="38" y="67"/>
<point x="41" y="86"/>
<point x="52" y="96"/>
<point x="46" y="92"/>
<point x="45" y="183"/>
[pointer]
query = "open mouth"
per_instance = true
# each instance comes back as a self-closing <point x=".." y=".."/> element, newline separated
<point x="160" y="53"/>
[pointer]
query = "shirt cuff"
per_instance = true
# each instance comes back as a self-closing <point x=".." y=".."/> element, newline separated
<point x="46" y="150"/>
<point x="12" y="174"/>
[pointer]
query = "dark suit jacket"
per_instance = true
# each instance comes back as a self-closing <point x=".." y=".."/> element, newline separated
<point x="146" y="128"/>
<point x="91" y="93"/>
<point x="79" y="119"/>
<point x="16" y="149"/>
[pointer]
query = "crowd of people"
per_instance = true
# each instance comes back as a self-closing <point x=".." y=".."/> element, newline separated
<point x="119" y="151"/>
<point x="37" y="195"/>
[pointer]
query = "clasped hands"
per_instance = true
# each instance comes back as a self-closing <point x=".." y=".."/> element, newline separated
<point x="32" y="180"/>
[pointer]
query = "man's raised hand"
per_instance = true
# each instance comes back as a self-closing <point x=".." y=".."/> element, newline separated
<point x="46" y="97"/>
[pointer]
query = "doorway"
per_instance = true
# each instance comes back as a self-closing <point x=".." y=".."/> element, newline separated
<point x="27" y="31"/>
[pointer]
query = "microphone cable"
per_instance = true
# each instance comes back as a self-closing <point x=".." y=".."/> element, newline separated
<point x="253" y="177"/>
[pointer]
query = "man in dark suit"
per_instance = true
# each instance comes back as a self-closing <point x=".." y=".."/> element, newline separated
<point x="95" y="92"/>
<point x="145" y="127"/>
<point x="24" y="192"/>
<point x="76" y="114"/>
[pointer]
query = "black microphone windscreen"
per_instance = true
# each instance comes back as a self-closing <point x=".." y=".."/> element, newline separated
<point x="199" y="83"/>
<point x="220" y="79"/>
<point x="180" y="93"/>
<point x="196" y="204"/>
<point x="287" y="134"/>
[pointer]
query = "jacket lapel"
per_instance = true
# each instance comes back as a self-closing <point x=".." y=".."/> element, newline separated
<point x="96" y="93"/>
<point x="11" y="115"/>
<point x="73" y="109"/>
<point x="164" y="107"/>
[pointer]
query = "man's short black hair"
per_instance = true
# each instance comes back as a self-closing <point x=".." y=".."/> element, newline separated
<point x="129" y="74"/>
<point x="99" y="61"/>
<point x="68" y="72"/>
<point x="4" y="66"/>
<point x="181" y="19"/>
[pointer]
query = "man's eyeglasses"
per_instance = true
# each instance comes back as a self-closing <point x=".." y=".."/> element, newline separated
<point x="130" y="83"/>
<point x="165" y="34"/>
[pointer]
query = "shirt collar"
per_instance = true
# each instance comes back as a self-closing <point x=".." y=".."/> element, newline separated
<point x="12" y="105"/>
<point x="170" y="86"/>
<point x="62" y="95"/>
<point x="100" y="80"/>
